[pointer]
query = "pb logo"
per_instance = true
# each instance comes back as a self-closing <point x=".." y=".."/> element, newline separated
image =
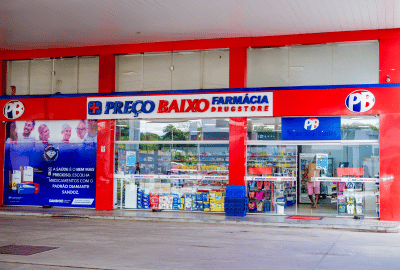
<point x="360" y="101"/>
<point x="13" y="109"/>
<point x="311" y="124"/>
<point x="94" y="108"/>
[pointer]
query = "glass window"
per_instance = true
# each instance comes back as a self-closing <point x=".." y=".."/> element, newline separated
<point x="272" y="160"/>
<point x="352" y="128"/>
<point x="88" y="75"/>
<point x="129" y="76"/>
<point x="183" y="163"/>
<point x="340" y="192"/>
<point x="157" y="71"/>
<point x="271" y="181"/>
<point x="360" y="127"/>
<point x="65" y="75"/>
<point x="187" y="70"/>
<point x="355" y="63"/>
<point x="267" y="67"/>
<point x="18" y="77"/>
<point x="173" y="130"/>
<point x="264" y="129"/>
<point x="216" y="69"/>
<point x="41" y="78"/>
<point x="327" y="64"/>
<point x="49" y="76"/>
<point x="173" y="70"/>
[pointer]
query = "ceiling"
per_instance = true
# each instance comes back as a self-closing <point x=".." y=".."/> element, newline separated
<point x="30" y="24"/>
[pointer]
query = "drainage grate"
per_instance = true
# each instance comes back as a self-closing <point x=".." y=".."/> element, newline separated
<point x="24" y="250"/>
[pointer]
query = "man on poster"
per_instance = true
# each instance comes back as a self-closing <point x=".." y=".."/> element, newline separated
<point x="27" y="133"/>
<point x="91" y="136"/>
<point x="81" y="130"/>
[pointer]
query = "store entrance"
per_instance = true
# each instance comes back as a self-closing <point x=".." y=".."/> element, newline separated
<point x="323" y="199"/>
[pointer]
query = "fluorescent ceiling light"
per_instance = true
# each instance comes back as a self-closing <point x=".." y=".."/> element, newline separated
<point x="297" y="68"/>
<point x="129" y="73"/>
<point x="357" y="118"/>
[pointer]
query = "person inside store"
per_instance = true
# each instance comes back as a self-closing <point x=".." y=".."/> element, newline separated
<point x="66" y="133"/>
<point x="313" y="187"/>
<point x="137" y="168"/>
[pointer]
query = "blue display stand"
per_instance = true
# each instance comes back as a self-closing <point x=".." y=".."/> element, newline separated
<point x="236" y="202"/>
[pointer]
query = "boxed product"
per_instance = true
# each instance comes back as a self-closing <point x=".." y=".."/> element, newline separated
<point x="212" y="195"/>
<point x="154" y="200"/>
<point x="182" y="203"/>
<point x="206" y="206"/>
<point x="188" y="202"/>
<point x="200" y="206"/>
<point x="219" y="196"/>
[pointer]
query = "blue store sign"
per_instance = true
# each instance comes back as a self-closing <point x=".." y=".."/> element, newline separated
<point x="311" y="128"/>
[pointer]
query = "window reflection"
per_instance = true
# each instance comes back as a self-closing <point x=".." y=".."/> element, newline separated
<point x="172" y="130"/>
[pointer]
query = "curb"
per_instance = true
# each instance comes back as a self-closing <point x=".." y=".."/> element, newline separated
<point x="359" y="228"/>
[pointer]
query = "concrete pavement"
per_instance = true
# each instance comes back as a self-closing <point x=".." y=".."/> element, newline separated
<point x="368" y="225"/>
<point x="86" y="243"/>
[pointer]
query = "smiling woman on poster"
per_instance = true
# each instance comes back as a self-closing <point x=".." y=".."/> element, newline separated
<point x="13" y="137"/>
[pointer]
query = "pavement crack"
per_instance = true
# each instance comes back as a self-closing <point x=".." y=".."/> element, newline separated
<point x="326" y="253"/>
<point x="56" y="265"/>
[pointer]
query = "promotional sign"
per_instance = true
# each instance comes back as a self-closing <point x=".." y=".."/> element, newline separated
<point x="50" y="163"/>
<point x="322" y="161"/>
<point x="311" y="128"/>
<point x="181" y="106"/>
<point x="130" y="158"/>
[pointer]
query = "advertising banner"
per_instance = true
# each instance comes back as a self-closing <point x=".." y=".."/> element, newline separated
<point x="181" y="106"/>
<point x="311" y="128"/>
<point x="50" y="163"/>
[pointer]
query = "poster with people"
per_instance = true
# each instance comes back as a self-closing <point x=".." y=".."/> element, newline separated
<point x="50" y="163"/>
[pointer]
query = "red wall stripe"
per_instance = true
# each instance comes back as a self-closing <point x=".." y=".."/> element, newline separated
<point x="2" y="140"/>
<point x="389" y="147"/>
<point x="104" y="165"/>
<point x="105" y="139"/>
<point x="107" y="73"/>
<point x="237" y="125"/>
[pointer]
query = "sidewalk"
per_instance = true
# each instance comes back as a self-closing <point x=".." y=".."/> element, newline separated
<point x="368" y="225"/>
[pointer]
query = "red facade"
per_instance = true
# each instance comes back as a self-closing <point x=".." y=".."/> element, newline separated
<point x="292" y="101"/>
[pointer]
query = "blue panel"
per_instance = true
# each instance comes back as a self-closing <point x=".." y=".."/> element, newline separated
<point x="311" y="128"/>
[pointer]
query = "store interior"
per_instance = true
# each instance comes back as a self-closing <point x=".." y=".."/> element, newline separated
<point x="184" y="164"/>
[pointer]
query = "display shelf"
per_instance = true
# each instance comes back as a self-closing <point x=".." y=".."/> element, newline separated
<point x="351" y="198"/>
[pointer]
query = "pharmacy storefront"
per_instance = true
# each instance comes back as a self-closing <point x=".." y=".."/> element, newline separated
<point x="295" y="151"/>
<point x="175" y="153"/>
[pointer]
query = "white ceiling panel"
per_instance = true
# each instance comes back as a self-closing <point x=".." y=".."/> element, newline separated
<point x="26" y="24"/>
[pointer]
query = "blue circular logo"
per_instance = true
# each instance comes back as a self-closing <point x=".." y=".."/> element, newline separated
<point x="50" y="153"/>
